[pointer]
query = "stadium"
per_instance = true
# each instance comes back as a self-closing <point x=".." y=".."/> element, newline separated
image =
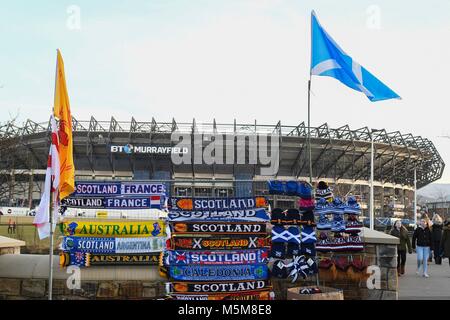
<point x="133" y="150"/>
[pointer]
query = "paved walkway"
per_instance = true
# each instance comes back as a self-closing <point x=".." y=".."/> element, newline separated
<point x="436" y="287"/>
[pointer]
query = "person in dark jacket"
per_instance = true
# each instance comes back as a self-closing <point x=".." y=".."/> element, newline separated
<point x="399" y="231"/>
<point x="422" y="242"/>
<point x="445" y="241"/>
<point x="436" y="236"/>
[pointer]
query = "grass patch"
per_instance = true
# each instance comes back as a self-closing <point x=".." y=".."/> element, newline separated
<point x="26" y="231"/>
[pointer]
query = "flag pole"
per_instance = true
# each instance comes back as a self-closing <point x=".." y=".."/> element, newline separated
<point x="309" y="150"/>
<point x="371" y="203"/>
<point x="309" y="104"/>
<point x="309" y="130"/>
<point x="415" y="197"/>
<point x="50" y="274"/>
<point x="309" y="147"/>
<point x="52" y="201"/>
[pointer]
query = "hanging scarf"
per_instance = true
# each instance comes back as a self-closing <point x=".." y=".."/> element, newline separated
<point x="87" y="259"/>
<point x="216" y="287"/>
<point x="193" y="242"/>
<point x="218" y="273"/>
<point x="87" y="228"/>
<point x="211" y="204"/>
<point x="129" y="203"/>
<point x="113" y="245"/>
<point x="218" y="227"/>
<point x="216" y="257"/>
<point x="78" y="259"/>
<point x="256" y="215"/>
<point x="124" y="259"/>
<point x="252" y="295"/>
<point x="123" y="188"/>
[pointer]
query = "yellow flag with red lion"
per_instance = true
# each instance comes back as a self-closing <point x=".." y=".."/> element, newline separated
<point x="62" y="112"/>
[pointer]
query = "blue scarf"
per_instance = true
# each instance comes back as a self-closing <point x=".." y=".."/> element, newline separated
<point x="151" y="202"/>
<point x="87" y="259"/>
<point x="78" y="259"/>
<point x="218" y="273"/>
<point x="256" y="215"/>
<point x="216" y="257"/>
<point x="124" y="188"/>
<point x="113" y="245"/>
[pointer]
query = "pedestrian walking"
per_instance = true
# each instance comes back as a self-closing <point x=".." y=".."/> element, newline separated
<point x="399" y="231"/>
<point x="429" y="223"/>
<point x="436" y="236"/>
<point x="14" y="227"/>
<point x="421" y="241"/>
<point x="10" y="226"/>
<point x="445" y="241"/>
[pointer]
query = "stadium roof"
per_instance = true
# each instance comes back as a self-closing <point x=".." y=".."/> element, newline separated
<point x="341" y="153"/>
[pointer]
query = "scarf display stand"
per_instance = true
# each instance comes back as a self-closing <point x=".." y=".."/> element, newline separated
<point x="216" y="253"/>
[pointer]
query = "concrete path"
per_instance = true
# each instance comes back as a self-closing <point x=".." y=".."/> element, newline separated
<point x="414" y="287"/>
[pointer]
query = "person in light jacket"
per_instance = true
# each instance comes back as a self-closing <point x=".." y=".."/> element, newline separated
<point x="421" y="241"/>
<point x="429" y="223"/>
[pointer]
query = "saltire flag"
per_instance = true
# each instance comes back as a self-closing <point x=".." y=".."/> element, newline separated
<point x="62" y="112"/>
<point x="51" y="186"/>
<point x="328" y="59"/>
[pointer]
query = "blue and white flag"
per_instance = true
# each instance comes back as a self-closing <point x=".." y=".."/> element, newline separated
<point x="328" y="59"/>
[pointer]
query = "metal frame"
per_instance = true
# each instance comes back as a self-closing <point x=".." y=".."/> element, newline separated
<point x="342" y="157"/>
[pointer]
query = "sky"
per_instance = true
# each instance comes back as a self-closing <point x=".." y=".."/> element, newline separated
<point x="225" y="60"/>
